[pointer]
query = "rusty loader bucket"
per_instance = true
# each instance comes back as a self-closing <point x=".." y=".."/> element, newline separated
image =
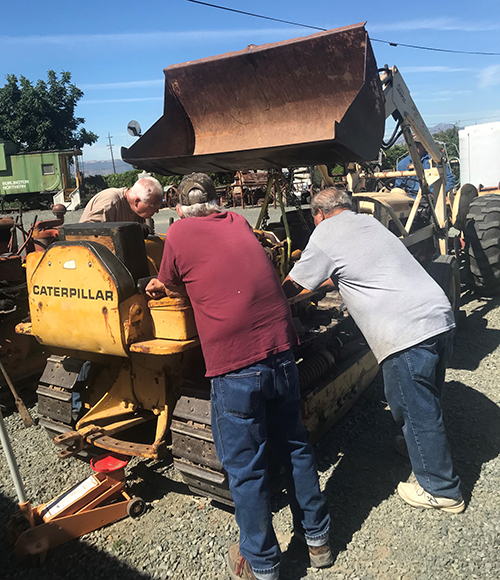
<point x="315" y="99"/>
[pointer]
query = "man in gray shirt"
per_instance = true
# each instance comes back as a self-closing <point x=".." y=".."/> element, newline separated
<point x="406" y="320"/>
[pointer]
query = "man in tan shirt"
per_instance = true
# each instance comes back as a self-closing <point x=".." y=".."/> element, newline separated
<point x="136" y="204"/>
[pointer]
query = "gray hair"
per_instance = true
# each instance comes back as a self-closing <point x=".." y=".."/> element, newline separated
<point x="200" y="209"/>
<point x="146" y="189"/>
<point x="330" y="199"/>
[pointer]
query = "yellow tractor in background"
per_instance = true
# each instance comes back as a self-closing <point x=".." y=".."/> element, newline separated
<point x="127" y="374"/>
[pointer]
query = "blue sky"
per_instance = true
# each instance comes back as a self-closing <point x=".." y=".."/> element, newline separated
<point x="116" y="51"/>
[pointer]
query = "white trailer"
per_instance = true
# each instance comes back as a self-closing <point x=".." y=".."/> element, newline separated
<point x="480" y="154"/>
<point x="480" y="166"/>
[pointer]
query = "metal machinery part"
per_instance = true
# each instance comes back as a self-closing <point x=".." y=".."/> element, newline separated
<point x="20" y="355"/>
<point x="144" y="380"/>
<point x="316" y="99"/>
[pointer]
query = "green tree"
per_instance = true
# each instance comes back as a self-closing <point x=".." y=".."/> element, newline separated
<point x="128" y="178"/>
<point x="125" y="179"/>
<point x="392" y="156"/>
<point x="450" y="138"/>
<point x="42" y="116"/>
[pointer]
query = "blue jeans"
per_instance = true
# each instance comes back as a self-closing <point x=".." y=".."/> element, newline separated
<point x="250" y="407"/>
<point x="413" y="381"/>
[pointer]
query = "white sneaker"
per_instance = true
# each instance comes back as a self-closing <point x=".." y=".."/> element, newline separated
<point x="415" y="495"/>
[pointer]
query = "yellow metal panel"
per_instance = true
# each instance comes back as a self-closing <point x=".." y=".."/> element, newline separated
<point x="173" y="324"/>
<point x="163" y="347"/>
<point x="74" y="302"/>
<point x="32" y="260"/>
<point x="173" y="318"/>
<point x="326" y="405"/>
<point x="154" y="251"/>
<point x="142" y="391"/>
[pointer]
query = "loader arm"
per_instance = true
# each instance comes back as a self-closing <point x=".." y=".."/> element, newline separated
<point x="400" y="105"/>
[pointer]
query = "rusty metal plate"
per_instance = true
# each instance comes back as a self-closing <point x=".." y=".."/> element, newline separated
<point x="315" y="99"/>
<point x="193" y="446"/>
<point x="53" y="427"/>
<point x="61" y="371"/>
<point x="205" y="482"/>
<point x="201" y="473"/>
<point x="191" y="408"/>
<point x="55" y="404"/>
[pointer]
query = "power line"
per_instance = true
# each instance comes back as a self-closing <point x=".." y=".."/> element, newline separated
<point x="476" y="119"/>
<point x="255" y="15"/>
<point x="395" y="44"/>
<point x="434" y="49"/>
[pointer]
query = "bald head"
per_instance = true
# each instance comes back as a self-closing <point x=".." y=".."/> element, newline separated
<point x="145" y="197"/>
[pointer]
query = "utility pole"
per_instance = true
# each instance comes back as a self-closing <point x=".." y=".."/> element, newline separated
<point x="111" y="149"/>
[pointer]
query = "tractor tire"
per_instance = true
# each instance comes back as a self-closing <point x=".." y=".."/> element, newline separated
<point x="445" y="271"/>
<point x="482" y="245"/>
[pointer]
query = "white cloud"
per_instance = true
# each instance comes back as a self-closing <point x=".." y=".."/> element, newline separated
<point x="123" y="85"/>
<point x="434" y="99"/>
<point x="139" y="39"/>
<point x="442" y="24"/>
<point x="440" y="94"/>
<point x="489" y="76"/>
<point x="435" y="69"/>
<point x="107" y="101"/>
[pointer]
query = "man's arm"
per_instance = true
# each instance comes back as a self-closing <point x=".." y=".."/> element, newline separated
<point x="156" y="289"/>
<point x="292" y="289"/>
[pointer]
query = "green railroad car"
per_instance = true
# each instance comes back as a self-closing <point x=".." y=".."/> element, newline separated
<point x="36" y="176"/>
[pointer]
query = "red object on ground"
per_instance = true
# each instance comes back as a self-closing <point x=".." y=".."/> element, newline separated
<point x="109" y="463"/>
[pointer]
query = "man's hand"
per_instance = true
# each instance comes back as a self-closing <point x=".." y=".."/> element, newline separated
<point x="156" y="289"/>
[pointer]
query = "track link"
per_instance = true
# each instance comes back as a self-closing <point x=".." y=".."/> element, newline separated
<point x="55" y="394"/>
<point x="193" y="446"/>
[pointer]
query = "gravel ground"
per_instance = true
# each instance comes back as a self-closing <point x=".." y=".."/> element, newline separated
<point x="374" y="536"/>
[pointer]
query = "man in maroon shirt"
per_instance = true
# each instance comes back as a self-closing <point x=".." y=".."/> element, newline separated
<point x="246" y="333"/>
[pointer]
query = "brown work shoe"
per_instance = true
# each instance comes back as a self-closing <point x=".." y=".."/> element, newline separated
<point x="320" y="556"/>
<point x="237" y="565"/>
<point x="416" y="496"/>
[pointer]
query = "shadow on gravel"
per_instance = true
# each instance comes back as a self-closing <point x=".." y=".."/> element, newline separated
<point x="75" y="560"/>
<point x="473" y="426"/>
<point x="151" y="480"/>
<point x="26" y="389"/>
<point x="473" y="340"/>
<point x="363" y="470"/>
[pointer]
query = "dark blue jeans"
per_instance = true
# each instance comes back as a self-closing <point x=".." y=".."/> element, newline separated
<point x="413" y="381"/>
<point x="251" y="407"/>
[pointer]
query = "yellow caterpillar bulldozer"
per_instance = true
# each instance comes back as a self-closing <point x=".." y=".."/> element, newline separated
<point x="127" y="374"/>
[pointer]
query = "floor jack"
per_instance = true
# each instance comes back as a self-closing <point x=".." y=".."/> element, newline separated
<point x="98" y="500"/>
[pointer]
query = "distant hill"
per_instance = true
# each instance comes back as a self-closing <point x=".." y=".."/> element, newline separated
<point x="436" y="129"/>
<point x="441" y="127"/>
<point x="105" y="167"/>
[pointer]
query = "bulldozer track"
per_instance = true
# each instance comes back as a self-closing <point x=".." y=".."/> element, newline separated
<point x="55" y="394"/>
